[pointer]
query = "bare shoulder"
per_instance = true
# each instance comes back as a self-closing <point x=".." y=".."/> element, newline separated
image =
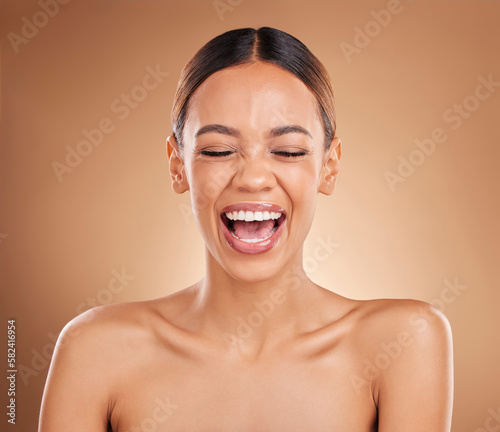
<point x="406" y="348"/>
<point x="117" y="325"/>
<point x="393" y="315"/>
<point x="100" y="325"/>
<point x="99" y="338"/>
<point x="121" y="329"/>
<point x="96" y="352"/>
<point x="412" y="325"/>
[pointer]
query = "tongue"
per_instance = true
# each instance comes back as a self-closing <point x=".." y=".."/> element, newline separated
<point x="253" y="230"/>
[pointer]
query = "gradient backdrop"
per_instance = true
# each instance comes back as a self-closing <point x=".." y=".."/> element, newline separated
<point x="405" y="223"/>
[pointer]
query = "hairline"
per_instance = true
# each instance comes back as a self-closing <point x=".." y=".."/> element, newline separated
<point x="254" y="59"/>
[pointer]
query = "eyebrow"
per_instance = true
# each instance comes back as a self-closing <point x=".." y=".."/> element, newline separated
<point x="218" y="128"/>
<point x="282" y="130"/>
<point x="275" y="132"/>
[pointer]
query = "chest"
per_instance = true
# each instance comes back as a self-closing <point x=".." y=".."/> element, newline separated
<point x="209" y="396"/>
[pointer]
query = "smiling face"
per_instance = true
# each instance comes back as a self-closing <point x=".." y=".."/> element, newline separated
<point x="254" y="160"/>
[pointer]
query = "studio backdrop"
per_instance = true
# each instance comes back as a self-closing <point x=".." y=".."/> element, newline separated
<point x="88" y="216"/>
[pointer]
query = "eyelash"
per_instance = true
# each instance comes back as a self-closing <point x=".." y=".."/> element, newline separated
<point x="276" y="152"/>
<point x="290" y="154"/>
<point x="216" y="153"/>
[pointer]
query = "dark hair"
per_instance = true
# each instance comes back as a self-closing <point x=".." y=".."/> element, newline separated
<point x="248" y="45"/>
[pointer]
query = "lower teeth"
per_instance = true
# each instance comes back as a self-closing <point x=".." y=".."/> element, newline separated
<point x="255" y="240"/>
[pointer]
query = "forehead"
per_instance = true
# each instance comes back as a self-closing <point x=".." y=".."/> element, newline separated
<point x="253" y="98"/>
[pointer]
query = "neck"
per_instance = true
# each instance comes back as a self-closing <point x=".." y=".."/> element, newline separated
<point x="249" y="314"/>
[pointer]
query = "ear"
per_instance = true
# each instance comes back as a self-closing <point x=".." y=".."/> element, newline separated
<point x="331" y="167"/>
<point x="176" y="165"/>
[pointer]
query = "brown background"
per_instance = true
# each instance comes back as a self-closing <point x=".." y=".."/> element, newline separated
<point x="61" y="241"/>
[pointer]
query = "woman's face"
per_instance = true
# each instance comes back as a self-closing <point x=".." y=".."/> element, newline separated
<point x="254" y="161"/>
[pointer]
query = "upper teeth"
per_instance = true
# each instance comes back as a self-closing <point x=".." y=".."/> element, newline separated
<point x="250" y="216"/>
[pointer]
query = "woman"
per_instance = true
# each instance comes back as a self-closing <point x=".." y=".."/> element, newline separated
<point x="255" y="345"/>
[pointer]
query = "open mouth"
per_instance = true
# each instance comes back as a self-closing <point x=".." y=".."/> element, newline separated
<point x="252" y="227"/>
<point x="251" y="231"/>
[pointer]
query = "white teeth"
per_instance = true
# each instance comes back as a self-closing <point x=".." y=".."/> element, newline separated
<point x="249" y="216"/>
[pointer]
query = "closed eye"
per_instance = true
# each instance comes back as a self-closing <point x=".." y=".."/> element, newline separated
<point x="290" y="154"/>
<point x="215" y="153"/>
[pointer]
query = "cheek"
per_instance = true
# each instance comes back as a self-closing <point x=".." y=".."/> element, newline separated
<point x="206" y="185"/>
<point x="203" y="195"/>
<point x="303" y="196"/>
<point x="301" y="179"/>
<point x="300" y="183"/>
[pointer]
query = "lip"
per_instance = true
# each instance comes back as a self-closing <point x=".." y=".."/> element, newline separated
<point x="252" y="248"/>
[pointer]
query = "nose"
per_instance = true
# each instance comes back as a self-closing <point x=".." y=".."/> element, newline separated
<point x="254" y="175"/>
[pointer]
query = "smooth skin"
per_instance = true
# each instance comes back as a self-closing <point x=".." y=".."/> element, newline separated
<point x="255" y="345"/>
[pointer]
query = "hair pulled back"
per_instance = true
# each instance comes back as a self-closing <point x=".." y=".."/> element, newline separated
<point x="248" y="45"/>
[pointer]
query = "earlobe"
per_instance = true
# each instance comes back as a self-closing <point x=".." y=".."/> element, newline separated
<point x="331" y="167"/>
<point x="176" y="166"/>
